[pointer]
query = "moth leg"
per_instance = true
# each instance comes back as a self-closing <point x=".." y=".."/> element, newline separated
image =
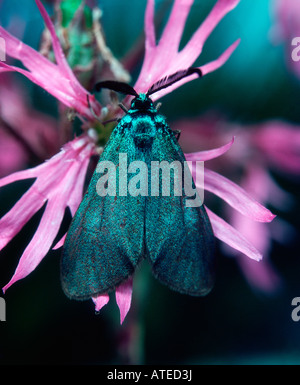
<point x="158" y="106"/>
<point x="121" y="105"/>
<point x="110" y="120"/>
<point x="177" y="134"/>
<point x="91" y="108"/>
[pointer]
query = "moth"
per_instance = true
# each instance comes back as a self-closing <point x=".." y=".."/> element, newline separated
<point x="111" y="234"/>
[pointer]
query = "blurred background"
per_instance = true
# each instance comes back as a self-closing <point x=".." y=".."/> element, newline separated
<point x="246" y="319"/>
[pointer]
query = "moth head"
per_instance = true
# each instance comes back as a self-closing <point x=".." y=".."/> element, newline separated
<point x="142" y="102"/>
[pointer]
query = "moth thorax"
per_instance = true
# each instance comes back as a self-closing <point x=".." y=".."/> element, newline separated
<point x="144" y="132"/>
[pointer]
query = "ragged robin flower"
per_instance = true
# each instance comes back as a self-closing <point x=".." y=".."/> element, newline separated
<point x="59" y="181"/>
<point x="261" y="149"/>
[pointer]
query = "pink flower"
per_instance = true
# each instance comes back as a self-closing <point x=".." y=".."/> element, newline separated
<point x="58" y="79"/>
<point x="123" y="299"/>
<point x="59" y="181"/>
<point x="164" y="59"/>
<point x="278" y="146"/>
<point x="237" y="198"/>
<point x="52" y="188"/>
<point x="263" y="275"/>
<point x="269" y="145"/>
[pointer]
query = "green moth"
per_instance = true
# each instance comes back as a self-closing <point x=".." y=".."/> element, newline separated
<point x="114" y="230"/>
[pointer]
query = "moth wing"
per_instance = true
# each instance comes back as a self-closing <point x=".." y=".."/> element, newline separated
<point x="179" y="239"/>
<point x="106" y="237"/>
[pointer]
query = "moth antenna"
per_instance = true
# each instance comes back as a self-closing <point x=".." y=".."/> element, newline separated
<point x="114" y="85"/>
<point x="169" y="80"/>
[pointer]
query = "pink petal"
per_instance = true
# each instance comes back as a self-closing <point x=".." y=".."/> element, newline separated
<point x="261" y="275"/>
<point x="48" y="227"/>
<point x="15" y="219"/>
<point x="164" y="59"/>
<point x="18" y="50"/>
<point x="75" y="197"/>
<point x="77" y="151"/>
<point x="236" y="197"/>
<point x="59" y="55"/>
<point x="60" y="243"/>
<point x="43" y="72"/>
<point x="214" y="65"/>
<point x="229" y="235"/>
<point x="100" y="301"/>
<point x="57" y="79"/>
<point x="149" y="25"/>
<point x="51" y="80"/>
<point x="34" y="79"/>
<point x="123" y="298"/>
<point x="60" y="183"/>
<point x="21" y="175"/>
<point x="5" y="68"/>
<point x="58" y="52"/>
<point x="258" y="233"/>
<point x="210" y="154"/>
<point x="41" y="242"/>
<point x="206" y="68"/>
<point x="173" y="31"/>
<point x="194" y="47"/>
